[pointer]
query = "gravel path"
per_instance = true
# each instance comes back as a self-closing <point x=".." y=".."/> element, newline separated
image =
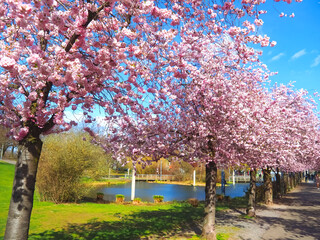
<point x="296" y="216"/>
<point x="9" y="161"/>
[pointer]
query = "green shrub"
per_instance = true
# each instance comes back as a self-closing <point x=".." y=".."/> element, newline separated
<point x="119" y="198"/>
<point x="100" y="196"/>
<point x="137" y="200"/>
<point x="65" y="159"/>
<point x="158" y="198"/>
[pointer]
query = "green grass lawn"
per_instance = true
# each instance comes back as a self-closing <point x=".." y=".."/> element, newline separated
<point x="6" y="182"/>
<point x="104" y="221"/>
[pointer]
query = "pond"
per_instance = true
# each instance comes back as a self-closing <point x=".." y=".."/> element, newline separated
<point x="145" y="191"/>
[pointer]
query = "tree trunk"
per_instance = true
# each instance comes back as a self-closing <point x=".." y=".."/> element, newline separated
<point x="208" y="231"/>
<point x="23" y="190"/>
<point x="286" y="183"/>
<point x="278" y="185"/>
<point x="290" y="181"/>
<point x="294" y="180"/>
<point x="12" y="151"/>
<point x="283" y="184"/>
<point x="268" y="186"/>
<point x="296" y="176"/>
<point x="251" y="210"/>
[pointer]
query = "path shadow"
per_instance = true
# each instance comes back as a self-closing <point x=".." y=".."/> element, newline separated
<point x="161" y="223"/>
<point x="305" y="223"/>
<point x="295" y="216"/>
<point x="298" y="213"/>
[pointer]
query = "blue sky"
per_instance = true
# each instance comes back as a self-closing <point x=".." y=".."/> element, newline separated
<point x="297" y="54"/>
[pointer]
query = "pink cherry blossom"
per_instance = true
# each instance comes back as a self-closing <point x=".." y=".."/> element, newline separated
<point x="33" y="96"/>
<point x="7" y="62"/>
<point x="273" y="43"/>
<point x="258" y="22"/>
<point x="23" y="132"/>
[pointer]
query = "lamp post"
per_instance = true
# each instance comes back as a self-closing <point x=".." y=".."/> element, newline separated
<point x="133" y="184"/>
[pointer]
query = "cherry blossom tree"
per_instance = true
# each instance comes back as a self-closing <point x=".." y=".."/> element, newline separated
<point x="68" y="55"/>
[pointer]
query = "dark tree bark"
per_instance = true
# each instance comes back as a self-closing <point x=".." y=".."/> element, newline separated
<point x="251" y="210"/>
<point x="300" y="177"/>
<point x="283" y="184"/>
<point x="267" y="186"/>
<point x="290" y="181"/>
<point x="278" y="185"/>
<point x="286" y="183"/>
<point x="23" y="189"/>
<point x="208" y="231"/>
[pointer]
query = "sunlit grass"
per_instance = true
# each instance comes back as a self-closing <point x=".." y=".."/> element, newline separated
<point x="6" y="181"/>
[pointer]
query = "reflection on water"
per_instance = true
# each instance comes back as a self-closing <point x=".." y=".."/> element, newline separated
<point x="145" y="191"/>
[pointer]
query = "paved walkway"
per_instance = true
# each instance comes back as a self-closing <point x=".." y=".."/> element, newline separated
<point x="296" y="216"/>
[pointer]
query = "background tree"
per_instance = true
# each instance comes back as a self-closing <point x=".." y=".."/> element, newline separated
<point x="6" y="143"/>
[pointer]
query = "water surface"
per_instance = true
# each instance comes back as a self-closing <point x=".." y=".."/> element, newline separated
<point x="145" y="191"/>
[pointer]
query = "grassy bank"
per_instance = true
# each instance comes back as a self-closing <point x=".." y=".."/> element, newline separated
<point x="188" y="183"/>
<point x="106" y="221"/>
<point x="104" y="182"/>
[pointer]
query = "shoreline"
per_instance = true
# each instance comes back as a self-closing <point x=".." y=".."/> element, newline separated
<point x="111" y="183"/>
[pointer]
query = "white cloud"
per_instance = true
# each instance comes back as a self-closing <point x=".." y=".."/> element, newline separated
<point x="316" y="61"/>
<point x="298" y="54"/>
<point x="277" y="57"/>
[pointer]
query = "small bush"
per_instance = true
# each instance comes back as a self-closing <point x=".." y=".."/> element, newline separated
<point x="100" y="196"/>
<point x="219" y="197"/>
<point x="158" y="198"/>
<point x="119" y="198"/>
<point x="194" y="202"/>
<point x="137" y="200"/>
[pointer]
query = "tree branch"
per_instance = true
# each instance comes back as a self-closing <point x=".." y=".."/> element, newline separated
<point x="91" y="16"/>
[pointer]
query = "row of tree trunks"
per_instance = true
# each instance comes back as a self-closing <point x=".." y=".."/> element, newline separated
<point x="283" y="184"/>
